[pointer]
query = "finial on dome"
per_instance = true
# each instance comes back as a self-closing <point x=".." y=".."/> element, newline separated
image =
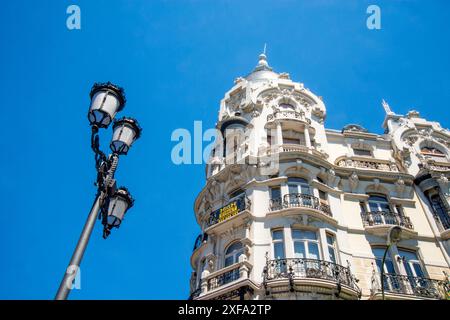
<point x="262" y="62"/>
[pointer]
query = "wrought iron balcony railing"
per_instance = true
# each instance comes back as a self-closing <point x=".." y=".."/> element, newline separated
<point x="233" y="208"/>
<point x="414" y="286"/>
<point x="199" y="240"/>
<point x="382" y="218"/>
<point x="293" y="200"/>
<point x="444" y="221"/>
<point x="298" y="268"/>
<point x="224" y="278"/>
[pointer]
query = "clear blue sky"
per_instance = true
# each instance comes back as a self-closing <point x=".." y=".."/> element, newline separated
<point x="175" y="60"/>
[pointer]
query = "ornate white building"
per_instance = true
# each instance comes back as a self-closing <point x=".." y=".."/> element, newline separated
<point x="292" y="210"/>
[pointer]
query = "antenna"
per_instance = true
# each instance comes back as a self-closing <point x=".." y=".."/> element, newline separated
<point x="265" y="46"/>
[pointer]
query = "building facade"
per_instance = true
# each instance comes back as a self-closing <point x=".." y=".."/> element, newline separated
<point x="292" y="210"/>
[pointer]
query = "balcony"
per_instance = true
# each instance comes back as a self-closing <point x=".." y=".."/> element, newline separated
<point x="443" y="223"/>
<point x="383" y="218"/>
<point x="295" y="200"/>
<point x="310" y="272"/>
<point x="235" y="208"/>
<point x="379" y="222"/>
<point x="201" y="238"/>
<point x="408" y="287"/>
<point x="287" y="115"/>
<point x="290" y="150"/>
<point x="368" y="165"/>
<point x="224" y="280"/>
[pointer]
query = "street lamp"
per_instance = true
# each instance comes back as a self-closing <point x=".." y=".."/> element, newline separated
<point x="119" y="204"/>
<point x="106" y="100"/>
<point x="111" y="203"/>
<point x="126" y="131"/>
<point x="393" y="237"/>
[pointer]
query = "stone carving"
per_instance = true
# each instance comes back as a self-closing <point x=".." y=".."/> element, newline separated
<point x="353" y="181"/>
<point x="371" y="165"/>
<point x="413" y="114"/>
<point x="235" y="101"/>
<point x="400" y="186"/>
<point x="354" y="128"/>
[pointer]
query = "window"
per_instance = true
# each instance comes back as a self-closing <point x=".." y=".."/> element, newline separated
<point x="275" y="193"/>
<point x="362" y="152"/>
<point x="275" y="198"/>
<point x="306" y="244"/>
<point x="331" y="245"/>
<point x="278" y="244"/>
<point x="411" y="263"/>
<point x="391" y="282"/>
<point x="413" y="269"/>
<point x="379" y="203"/>
<point x="298" y="185"/>
<point x="323" y="197"/>
<point x="362" y="207"/>
<point x="440" y="211"/>
<point x="388" y="264"/>
<point x="233" y="253"/>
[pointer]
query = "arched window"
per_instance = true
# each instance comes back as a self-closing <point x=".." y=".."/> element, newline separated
<point x="440" y="211"/>
<point x="232" y="253"/>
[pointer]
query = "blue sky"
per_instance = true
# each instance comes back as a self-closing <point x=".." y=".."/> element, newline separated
<point x="175" y="60"/>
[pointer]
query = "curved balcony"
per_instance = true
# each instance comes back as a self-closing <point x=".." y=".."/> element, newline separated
<point x="379" y="222"/>
<point x="237" y="208"/>
<point x="407" y="287"/>
<point x="225" y="280"/>
<point x="201" y="238"/>
<point x="368" y="165"/>
<point x="310" y="272"/>
<point x="295" y="200"/>
<point x="287" y="115"/>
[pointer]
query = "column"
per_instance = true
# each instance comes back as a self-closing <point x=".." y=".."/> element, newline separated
<point x="279" y="134"/>
<point x="307" y="137"/>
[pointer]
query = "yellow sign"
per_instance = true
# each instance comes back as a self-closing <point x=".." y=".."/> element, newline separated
<point x="228" y="211"/>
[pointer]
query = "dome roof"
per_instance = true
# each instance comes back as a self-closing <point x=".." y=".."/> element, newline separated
<point x="262" y="71"/>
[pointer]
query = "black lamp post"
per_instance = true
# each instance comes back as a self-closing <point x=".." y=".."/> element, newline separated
<point x="111" y="203"/>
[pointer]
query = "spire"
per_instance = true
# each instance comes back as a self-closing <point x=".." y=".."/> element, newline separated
<point x="262" y="63"/>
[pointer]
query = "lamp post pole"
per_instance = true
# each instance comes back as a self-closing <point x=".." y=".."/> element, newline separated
<point x="75" y="261"/>
<point x="110" y="203"/>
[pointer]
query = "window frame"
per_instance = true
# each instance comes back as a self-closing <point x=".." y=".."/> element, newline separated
<point x="306" y="244"/>
<point x="232" y="254"/>
<point x="277" y="241"/>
